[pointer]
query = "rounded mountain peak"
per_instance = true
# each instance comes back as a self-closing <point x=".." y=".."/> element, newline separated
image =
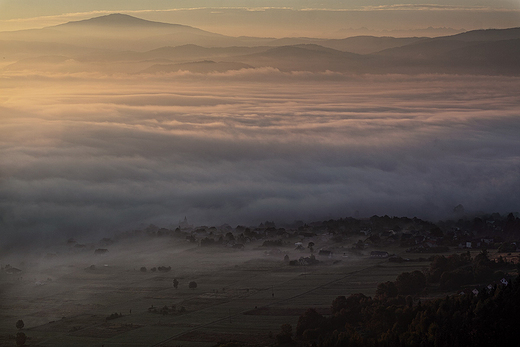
<point x="120" y="20"/>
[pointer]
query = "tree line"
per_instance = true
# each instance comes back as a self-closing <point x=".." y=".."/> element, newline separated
<point x="393" y="318"/>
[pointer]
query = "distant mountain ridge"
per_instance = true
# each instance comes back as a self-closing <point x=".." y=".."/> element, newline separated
<point x="487" y="35"/>
<point x="121" y="20"/>
<point x="132" y="44"/>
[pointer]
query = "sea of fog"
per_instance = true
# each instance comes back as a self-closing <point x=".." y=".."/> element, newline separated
<point x="89" y="155"/>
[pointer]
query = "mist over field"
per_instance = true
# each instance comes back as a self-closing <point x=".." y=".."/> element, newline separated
<point x="218" y="173"/>
<point x="86" y="154"/>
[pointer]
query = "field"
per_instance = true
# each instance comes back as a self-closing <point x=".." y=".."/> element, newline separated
<point x="241" y="295"/>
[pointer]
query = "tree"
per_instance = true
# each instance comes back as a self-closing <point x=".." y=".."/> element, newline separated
<point x="338" y="304"/>
<point x="192" y="285"/>
<point x="386" y="290"/>
<point x="436" y="232"/>
<point x="20" y="324"/>
<point x="20" y="339"/>
<point x="374" y="238"/>
<point x="285" y="336"/>
<point x="459" y="209"/>
<point x="482" y="266"/>
<point x="310" y="320"/>
<point x="410" y="283"/>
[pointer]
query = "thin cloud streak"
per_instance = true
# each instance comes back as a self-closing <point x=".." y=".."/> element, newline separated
<point x="432" y="7"/>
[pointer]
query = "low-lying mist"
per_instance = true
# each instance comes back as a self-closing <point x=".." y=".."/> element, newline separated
<point x="87" y="154"/>
<point x="73" y="279"/>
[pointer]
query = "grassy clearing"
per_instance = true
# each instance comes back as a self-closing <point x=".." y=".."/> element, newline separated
<point x="242" y="295"/>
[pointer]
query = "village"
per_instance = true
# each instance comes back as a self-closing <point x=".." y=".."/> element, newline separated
<point x="154" y="279"/>
<point x="333" y="238"/>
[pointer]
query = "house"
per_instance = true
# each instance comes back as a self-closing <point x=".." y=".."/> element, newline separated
<point x="473" y="244"/>
<point x="488" y="240"/>
<point x="13" y="271"/>
<point x="504" y="282"/>
<point x="465" y="291"/>
<point x="379" y="254"/>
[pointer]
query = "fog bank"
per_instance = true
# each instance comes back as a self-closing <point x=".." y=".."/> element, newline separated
<point x="89" y="154"/>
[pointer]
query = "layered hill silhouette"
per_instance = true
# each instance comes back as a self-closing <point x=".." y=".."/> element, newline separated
<point x="123" y="43"/>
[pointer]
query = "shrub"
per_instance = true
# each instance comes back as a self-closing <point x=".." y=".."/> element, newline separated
<point x="310" y="322"/>
<point x="386" y="290"/>
<point x="20" y="339"/>
<point x="114" y="316"/>
<point x="285" y="336"/>
<point x="410" y="283"/>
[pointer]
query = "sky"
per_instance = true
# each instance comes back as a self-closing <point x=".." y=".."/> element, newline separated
<point x="330" y="18"/>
